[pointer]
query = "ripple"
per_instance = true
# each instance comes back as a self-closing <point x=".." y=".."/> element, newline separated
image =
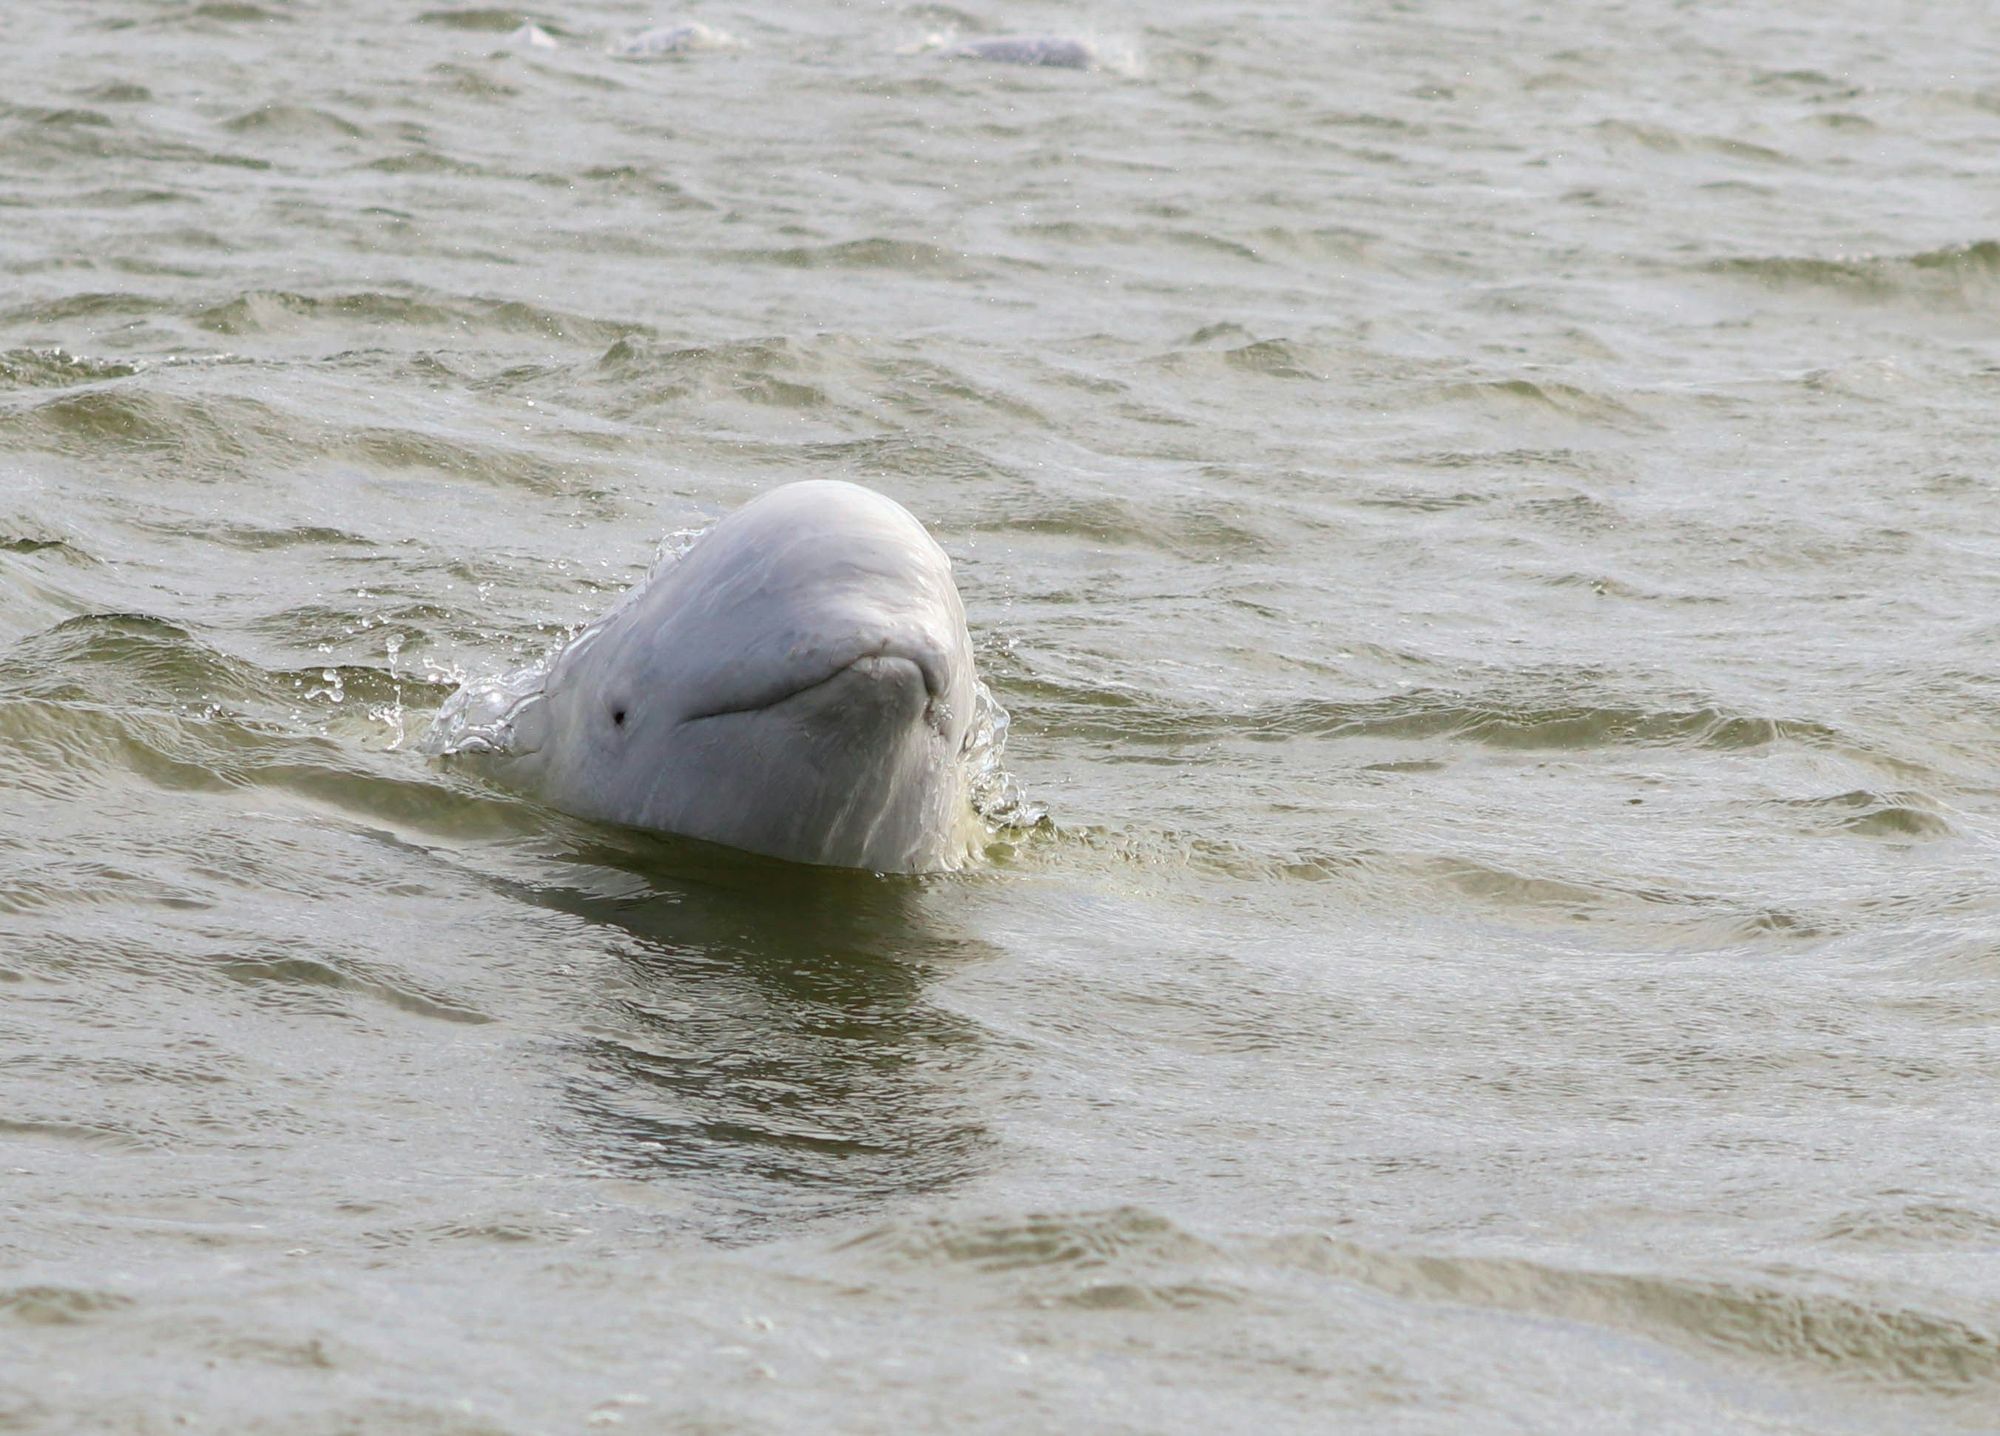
<point x="427" y="162"/>
<point x="55" y="885"/>
<point x="1531" y="398"/>
<point x="901" y="256"/>
<point x="298" y="978"/>
<point x="1914" y="1225"/>
<point x="106" y="305"/>
<point x="1096" y="235"/>
<point x="275" y="311"/>
<point x="1121" y="1259"/>
<point x="37" y="544"/>
<point x="119" y="92"/>
<point x="782" y="373"/>
<point x="1197" y="529"/>
<point x="65" y="117"/>
<point x="1078" y="1240"/>
<point x="64" y="137"/>
<point x="104" y="698"/>
<point x="1274" y="357"/>
<point x="58" y="368"/>
<point x="1662" y="139"/>
<point x="1432" y="714"/>
<point x="71" y="1134"/>
<point x="57" y="1305"/>
<point x="852" y="380"/>
<point x="487" y="20"/>
<point x="1892" y="816"/>
<point x="292" y="122"/>
<point x="197" y="435"/>
<point x="73" y="660"/>
<point x="236" y="12"/>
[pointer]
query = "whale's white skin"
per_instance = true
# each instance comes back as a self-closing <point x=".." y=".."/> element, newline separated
<point x="798" y="684"/>
<point x="672" y="40"/>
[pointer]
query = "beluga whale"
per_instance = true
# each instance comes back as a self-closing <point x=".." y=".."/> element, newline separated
<point x="797" y="683"/>
<point x="1052" y="52"/>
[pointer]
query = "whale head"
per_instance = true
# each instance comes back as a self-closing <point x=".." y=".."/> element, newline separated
<point x="799" y="684"/>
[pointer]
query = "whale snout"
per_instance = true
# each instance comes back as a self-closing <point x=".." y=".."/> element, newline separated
<point x="896" y="687"/>
<point x="930" y="656"/>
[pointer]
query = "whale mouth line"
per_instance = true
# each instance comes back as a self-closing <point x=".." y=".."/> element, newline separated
<point x="866" y="662"/>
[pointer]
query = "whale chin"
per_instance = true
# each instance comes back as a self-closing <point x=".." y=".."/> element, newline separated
<point x="856" y="770"/>
<point x="860" y="769"/>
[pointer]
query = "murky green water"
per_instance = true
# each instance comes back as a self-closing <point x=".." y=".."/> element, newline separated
<point x="1485" y="520"/>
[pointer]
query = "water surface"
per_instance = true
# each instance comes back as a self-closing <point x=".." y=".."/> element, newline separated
<point x="1483" y="517"/>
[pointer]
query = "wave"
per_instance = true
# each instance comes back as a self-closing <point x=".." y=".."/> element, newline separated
<point x="1797" y="1322"/>
<point x="1952" y="273"/>
<point x="1793" y="1324"/>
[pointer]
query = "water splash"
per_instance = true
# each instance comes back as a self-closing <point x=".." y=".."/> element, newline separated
<point x="533" y="37"/>
<point x="489" y="715"/>
<point x="666" y="40"/>
<point x="996" y="796"/>
<point x="498" y="715"/>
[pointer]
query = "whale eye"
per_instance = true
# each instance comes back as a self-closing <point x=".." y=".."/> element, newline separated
<point x="618" y="716"/>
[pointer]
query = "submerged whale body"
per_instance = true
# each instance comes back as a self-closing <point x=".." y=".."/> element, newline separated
<point x="1053" y="52"/>
<point x="799" y="684"/>
<point x="671" y="40"/>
